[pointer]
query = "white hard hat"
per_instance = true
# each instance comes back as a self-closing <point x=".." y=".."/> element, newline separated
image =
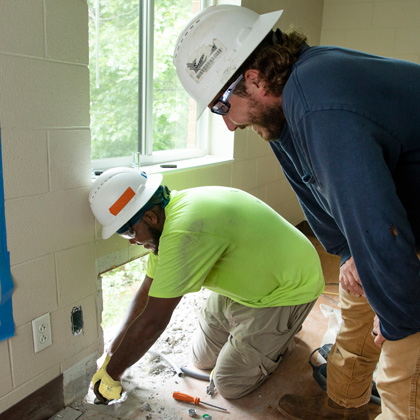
<point x="214" y="44"/>
<point x="118" y="194"/>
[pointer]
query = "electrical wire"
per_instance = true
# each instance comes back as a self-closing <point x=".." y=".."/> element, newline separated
<point x="180" y="370"/>
<point x="331" y="300"/>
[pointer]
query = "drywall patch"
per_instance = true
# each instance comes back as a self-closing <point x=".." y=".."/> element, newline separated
<point x="7" y="326"/>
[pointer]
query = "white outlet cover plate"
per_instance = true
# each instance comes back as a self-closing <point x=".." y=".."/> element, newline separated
<point x="41" y="329"/>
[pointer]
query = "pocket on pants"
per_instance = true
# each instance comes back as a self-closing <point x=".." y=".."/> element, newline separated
<point x="262" y="365"/>
<point x="267" y="366"/>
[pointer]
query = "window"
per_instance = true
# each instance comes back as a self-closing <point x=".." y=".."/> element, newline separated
<point x="137" y="101"/>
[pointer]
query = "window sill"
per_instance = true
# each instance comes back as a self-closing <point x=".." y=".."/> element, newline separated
<point x="181" y="165"/>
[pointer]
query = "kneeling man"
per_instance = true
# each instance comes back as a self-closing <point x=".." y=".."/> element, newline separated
<point x="265" y="276"/>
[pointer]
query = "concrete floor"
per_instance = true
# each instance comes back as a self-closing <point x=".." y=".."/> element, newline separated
<point x="151" y="397"/>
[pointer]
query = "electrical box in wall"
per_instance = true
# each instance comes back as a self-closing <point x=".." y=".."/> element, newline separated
<point x="77" y="320"/>
<point x="41" y="329"/>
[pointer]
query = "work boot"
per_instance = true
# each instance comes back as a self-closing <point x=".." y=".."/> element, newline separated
<point x="295" y="407"/>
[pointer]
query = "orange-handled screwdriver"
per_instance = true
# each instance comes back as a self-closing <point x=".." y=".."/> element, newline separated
<point x="188" y="398"/>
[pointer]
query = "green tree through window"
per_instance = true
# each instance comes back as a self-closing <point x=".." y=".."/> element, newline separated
<point x="114" y="81"/>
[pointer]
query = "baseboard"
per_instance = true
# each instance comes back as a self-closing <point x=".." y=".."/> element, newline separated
<point x="40" y="405"/>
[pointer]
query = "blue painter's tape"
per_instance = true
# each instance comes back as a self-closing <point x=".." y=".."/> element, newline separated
<point x="7" y="326"/>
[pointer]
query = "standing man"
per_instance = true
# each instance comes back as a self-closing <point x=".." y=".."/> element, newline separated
<point x="265" y="276"/>
<point x="344" y="127"/>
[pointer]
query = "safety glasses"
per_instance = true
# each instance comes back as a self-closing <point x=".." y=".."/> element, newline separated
<point x="129" y="233"/>
<point x="222" y="106"/>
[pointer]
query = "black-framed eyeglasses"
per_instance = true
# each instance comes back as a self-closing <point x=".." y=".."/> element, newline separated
<point x="222" y="106"/>
<point x="130" y="233"/>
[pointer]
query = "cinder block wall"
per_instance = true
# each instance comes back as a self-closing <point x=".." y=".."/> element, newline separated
<point x="389" y="28"/>
<point x="44" y="115"/>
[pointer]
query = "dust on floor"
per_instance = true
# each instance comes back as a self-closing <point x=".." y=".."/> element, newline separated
<point x="149" y="384"/>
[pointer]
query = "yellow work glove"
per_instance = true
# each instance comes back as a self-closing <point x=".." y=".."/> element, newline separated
<point x="110" y="389"/>
<point x="100" y="373"/>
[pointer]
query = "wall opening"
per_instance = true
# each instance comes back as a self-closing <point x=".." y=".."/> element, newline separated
<point x="118" y="288"/>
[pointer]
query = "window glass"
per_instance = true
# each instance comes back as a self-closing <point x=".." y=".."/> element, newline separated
<point x="137" y="101"/>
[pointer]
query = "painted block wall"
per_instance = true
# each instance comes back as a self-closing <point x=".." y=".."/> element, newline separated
<point x="384" y="27"/>
<point x="44" y="115"/>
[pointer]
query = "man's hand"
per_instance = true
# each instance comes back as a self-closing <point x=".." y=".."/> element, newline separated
<point x="376" y="332"/>
<point x="101" y="372"/>
<point x="110" y="389"/>
<point x="349" y="279"/>
<point x="104" y="386"/>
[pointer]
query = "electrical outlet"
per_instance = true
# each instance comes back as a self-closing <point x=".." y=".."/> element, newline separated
<point x="41" y="329"/>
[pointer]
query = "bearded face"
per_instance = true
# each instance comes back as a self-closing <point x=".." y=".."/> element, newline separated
<point x="266" y="120"/>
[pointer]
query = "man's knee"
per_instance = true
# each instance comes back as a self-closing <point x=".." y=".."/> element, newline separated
<point x="203" y="354"/>
<point x="203" y="364"/>
<point x="230" y="388"/>
<point x="235" y="382"/>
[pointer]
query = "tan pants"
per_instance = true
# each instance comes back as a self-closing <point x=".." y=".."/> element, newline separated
<point x="244" y="345"/>
<point x="353" y="359"/>
<point x="399" y="379"/>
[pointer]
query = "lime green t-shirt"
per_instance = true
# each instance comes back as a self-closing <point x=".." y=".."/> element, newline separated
<point x="232" y="243"/>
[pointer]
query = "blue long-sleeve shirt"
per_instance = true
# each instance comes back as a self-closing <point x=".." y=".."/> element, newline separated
<point x="351" y="151"/>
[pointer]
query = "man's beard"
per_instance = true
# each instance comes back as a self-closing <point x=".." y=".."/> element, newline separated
<point x="266" y="120"/>
<point x="156" y="234"/>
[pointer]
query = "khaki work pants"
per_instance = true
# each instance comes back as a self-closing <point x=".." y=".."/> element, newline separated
<point x="354" y="357"/>
<point x="398" y="379"/>
<point x="244" y="345"/>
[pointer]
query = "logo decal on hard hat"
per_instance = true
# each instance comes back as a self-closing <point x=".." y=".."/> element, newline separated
<point x="122" y="201"/>
<point x="203" y="59"/>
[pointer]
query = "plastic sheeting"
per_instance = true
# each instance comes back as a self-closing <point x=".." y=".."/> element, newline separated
<point x="7" y="326"/>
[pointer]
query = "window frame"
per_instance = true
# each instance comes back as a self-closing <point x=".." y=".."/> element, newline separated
<point x="145" y="105"/>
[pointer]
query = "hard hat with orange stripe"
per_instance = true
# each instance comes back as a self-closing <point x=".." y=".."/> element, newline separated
<point x="118" y="194"/>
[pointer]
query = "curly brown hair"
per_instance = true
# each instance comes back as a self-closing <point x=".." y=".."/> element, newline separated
<point x="273" y="58"/>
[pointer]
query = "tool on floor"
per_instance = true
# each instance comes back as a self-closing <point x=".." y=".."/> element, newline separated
<point x="180" y="370"/>
<point x="188" y="398"/>
<point x="192" y="412"/>
<point x="211" y="388"/>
